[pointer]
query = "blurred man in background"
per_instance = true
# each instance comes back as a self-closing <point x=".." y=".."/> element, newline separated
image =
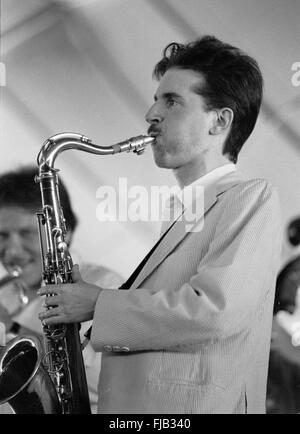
<point x="20" y="199"/>
<point x="283" y="393"/>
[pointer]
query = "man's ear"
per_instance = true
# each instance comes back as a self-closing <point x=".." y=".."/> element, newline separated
<point x="222" y="121"/>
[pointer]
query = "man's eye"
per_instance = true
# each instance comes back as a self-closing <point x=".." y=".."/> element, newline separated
<point x="171" y="102"/>
<point x="26" y="233"/>
<point x="3" y="236"/>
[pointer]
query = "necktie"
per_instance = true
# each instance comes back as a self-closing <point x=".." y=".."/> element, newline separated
<point x="130" y="280"/>
<point x="173" y="209"/>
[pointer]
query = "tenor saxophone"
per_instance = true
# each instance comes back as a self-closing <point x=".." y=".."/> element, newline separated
<point x="50" y="378"/>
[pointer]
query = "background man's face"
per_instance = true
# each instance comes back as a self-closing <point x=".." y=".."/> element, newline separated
<point x="19" y="243"/>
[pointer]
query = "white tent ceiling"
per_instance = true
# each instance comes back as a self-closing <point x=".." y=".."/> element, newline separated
<point x="85" y="66"/>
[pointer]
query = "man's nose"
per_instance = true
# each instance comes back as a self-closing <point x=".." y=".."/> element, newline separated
<point x="153" y="115"/>
<point x="13" y="247"/>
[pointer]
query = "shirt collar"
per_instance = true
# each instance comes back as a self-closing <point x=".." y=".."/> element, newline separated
<point x="191" y="192"/>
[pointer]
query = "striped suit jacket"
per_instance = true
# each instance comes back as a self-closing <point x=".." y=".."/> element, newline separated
<point x="192" y="334"/>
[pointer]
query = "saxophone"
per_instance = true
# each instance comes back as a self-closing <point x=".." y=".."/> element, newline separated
<point x="50" y="378"/>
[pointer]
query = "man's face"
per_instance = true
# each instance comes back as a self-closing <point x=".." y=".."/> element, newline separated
<point x="19" y="243"/>
<point x="179" y="121"/>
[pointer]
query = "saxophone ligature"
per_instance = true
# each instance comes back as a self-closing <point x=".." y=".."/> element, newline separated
<point x="50" y="378"/>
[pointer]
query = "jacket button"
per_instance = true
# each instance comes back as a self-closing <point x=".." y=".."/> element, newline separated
<point x="125" y="349"/>
<point x="107" y="348"/>
<point x="116" y="348"/>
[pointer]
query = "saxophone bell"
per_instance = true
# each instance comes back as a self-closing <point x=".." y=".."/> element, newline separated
<point x="24" y="383"/>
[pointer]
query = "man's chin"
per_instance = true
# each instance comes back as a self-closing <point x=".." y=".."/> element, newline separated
<point x="159" y="159"/>
<point x="162" y="163"/>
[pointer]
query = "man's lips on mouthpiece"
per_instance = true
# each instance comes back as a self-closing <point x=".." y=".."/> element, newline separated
<point x="152" y="131"/>
<point x="154" y="134"/>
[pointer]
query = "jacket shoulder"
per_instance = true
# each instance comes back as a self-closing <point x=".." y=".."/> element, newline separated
<point x="254" y="187"/>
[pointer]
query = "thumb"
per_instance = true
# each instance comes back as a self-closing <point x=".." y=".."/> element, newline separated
<point x="76" y="276"/>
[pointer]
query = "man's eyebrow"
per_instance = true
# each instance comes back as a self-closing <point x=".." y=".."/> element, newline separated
<point x="168" y="95"/>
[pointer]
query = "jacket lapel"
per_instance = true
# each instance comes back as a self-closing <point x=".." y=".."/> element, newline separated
<point x="183" y="226"/>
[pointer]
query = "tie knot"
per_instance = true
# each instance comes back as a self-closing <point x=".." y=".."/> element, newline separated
<point x="173" y="208"/>
<point x="170" y="201"/>
<point x="173" y="204"/>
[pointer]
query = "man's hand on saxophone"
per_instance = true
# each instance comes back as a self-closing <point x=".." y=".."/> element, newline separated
<point x="74" y="302"/>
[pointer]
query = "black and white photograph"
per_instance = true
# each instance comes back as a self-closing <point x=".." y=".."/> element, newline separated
<point x="149" y="209"/>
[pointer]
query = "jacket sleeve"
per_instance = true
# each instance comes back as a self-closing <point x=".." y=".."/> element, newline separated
<point x="234" y="279"/>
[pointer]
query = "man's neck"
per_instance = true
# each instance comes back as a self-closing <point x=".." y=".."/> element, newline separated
<point x="189" y="173"/>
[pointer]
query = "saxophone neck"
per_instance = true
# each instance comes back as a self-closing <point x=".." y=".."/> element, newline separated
<point x="58" y="143"/>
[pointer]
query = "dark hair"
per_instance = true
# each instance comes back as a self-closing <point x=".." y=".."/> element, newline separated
<point x="17" y="188"/>
<point x="232" y="79"/>
<point x="293" y="232"/>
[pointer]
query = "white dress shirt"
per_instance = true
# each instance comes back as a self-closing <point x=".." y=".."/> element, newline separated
<point x="181" y="200"/>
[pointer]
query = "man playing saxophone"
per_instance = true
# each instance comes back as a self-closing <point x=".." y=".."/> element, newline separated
<point x="20" y="250"/>
<point x="192" y="332"/>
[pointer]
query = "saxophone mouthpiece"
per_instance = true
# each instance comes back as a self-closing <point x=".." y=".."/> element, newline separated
<point x="140" y="143"/>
